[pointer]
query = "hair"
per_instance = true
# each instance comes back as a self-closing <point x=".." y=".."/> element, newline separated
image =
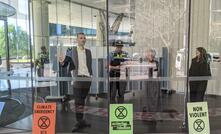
<point x="43" y="48"/>
<point x="152" y="51"/>
<point x="80" y="34"/>
<point x="203" y="54"/>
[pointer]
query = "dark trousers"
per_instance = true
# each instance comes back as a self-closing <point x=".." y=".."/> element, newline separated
<point x="152" y="94"/>
<point x="81" y="89"/>
<point x="117" y="86"/>
<point x="197" y="90"/>
<point x="40" y="72"/>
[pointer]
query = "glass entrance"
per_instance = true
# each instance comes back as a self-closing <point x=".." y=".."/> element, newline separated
<point x="4" y="84"/>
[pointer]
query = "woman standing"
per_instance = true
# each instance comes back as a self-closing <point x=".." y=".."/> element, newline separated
<point x="200" y="66"/>
<point x="152" y="88"/>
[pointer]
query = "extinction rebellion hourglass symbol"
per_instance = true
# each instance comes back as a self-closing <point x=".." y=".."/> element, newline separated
<point x="44" y="122"/>
<point x="199" y="125"/>
<point x="121" y="112"/>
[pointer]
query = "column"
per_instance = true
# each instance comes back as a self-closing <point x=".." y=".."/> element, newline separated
<point x="101" y="29"/>
<point x="200" y="16"/>
<point x="40" y="24"/>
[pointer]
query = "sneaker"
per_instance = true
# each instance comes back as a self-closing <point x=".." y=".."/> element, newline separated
<point x="80" y="125"/>
<point x="76" y="128"/>
<point x="85" y="124"/>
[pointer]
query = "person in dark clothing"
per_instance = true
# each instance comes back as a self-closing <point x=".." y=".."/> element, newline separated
<point x="200" y="66"/>
<point x="116" y="58"/>
<point x="61" y="71"/>
<point x="79" y="61"/>
<point x="64" y="72"/>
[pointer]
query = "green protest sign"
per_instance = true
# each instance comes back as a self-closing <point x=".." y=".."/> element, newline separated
<point x="198" y="118"/>
<point x="121" y="119"/>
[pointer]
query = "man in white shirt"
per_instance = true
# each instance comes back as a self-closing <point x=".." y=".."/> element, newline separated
<point x="79" y="60"/>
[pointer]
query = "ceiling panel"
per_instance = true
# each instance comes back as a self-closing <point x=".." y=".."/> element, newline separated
<point x="69" y="13"/>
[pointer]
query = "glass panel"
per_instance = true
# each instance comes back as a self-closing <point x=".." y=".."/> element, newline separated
<point x="148" y="50"/>
<point x="94" y="14"/>
<point x="216" y="4"/>
<point x="216" y="17"/>
<point x="211" y="92"/>
<point x="146" y="57"/>
<point x="3" y="84"/>
<point x="62" y="84"/>
<point x="16" y="65"/>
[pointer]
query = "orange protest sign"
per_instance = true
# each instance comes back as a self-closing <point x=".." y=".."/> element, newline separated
<point x="44" y="118"/>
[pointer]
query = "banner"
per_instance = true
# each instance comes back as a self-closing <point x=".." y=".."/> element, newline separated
<point x="121" y="119"/>
<point x="44" y="118"/>
<point x="198" y="118"/>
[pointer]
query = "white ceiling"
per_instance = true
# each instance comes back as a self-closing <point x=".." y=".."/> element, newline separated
<point x="69" y="13"/>
<point x="21" y="7"/>
<point x="117" y="6"/>
<point x="63" y="12"/>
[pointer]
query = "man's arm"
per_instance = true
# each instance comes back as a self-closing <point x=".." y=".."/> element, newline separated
<point x="114" y="67"/>
<point x="65" y="61"/>
<point x="91" y="72"/>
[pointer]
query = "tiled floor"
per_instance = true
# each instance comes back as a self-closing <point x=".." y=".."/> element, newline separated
<point x="13" y="131"/>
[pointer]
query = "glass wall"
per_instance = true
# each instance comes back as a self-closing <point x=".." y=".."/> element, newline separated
<point x="139" y="52"/>
<point x="15" y="62"/>
<point x="155" y="70"/>
<point x="58" y="81"/>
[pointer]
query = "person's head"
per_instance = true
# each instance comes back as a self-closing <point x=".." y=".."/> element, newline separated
<point x="201" y="54"/>
<point x="43" y="49"/>
<point x="119" y="48"/>
<point x="150" y="55"/>
<point x="81" y="39"/>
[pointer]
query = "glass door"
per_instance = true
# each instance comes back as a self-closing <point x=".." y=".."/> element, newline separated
<point x="153" y="36"/>
<point x="4" y="84"/>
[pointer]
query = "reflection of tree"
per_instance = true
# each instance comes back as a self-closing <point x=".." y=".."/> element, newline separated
<point x="158" y="19"/>
<point x="2" y="41"/>
<point x="17" y="37"/>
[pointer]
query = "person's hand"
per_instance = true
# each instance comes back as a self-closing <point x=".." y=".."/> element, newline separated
<point x="117" y="67"/>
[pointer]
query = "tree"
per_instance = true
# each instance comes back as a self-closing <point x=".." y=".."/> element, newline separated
<point x="2" y="41"/>
<point x="18" y="41"/>
<point x="162" y="23"/>
<point x="160" y="18"/>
